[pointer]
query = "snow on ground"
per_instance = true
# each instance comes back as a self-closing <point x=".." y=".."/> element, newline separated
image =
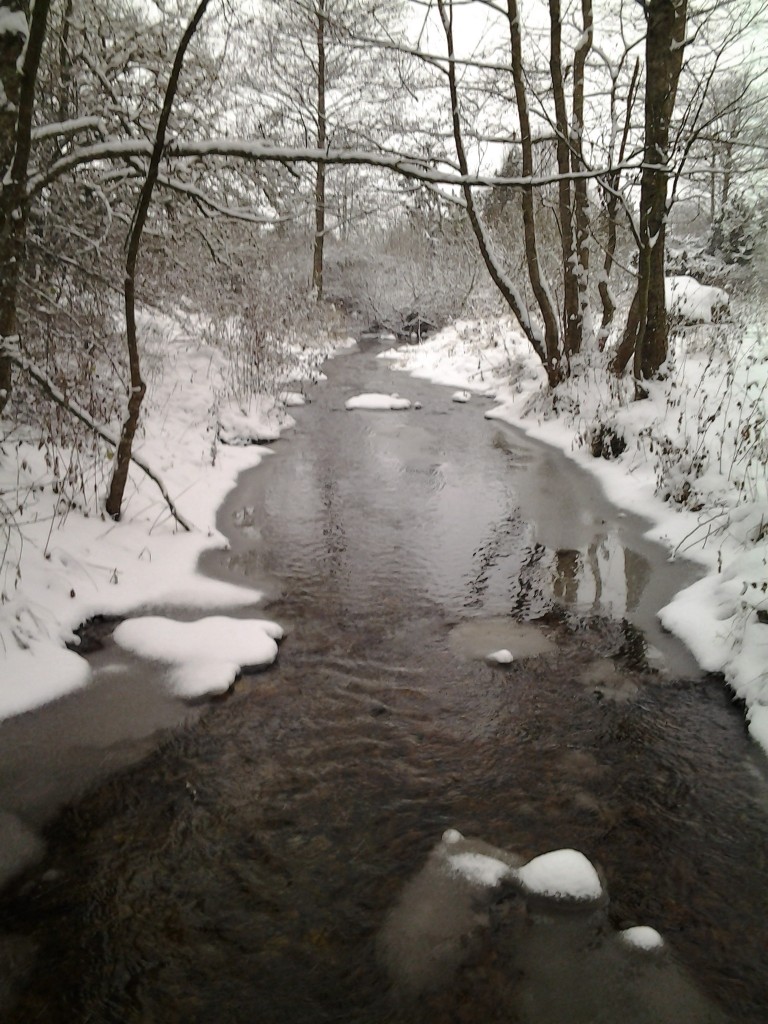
<point x="695" y="302"/>
<point x="74" y="564"/>
<point x="257" y="421"/>
<point x="205" y="655"/>
<point x="691" y="459"/>
<point x="377" y="403"/>
<point x="291" y="399"/>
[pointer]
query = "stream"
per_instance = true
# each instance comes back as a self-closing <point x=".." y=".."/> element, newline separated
<point x="273" y="856"/>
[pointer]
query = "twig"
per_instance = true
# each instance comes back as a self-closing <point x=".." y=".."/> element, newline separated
<point x="72" y="407"/>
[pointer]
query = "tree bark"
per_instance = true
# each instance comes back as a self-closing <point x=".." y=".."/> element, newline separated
<point x="15" y="146"/>
<point x="580" y="199"/>
<point x="612" y="209"/>
<point x="319" y="246"/>
<point x="138" y="387"/>
<point x="554" y="362"/>
<point x="512" y="298"/>
<point x="571" y="319"/>
<point x="646" y="334"/>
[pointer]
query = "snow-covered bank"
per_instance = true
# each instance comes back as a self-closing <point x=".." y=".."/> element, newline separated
<point x="64" y="564"/>
<point x="692" y="460"/>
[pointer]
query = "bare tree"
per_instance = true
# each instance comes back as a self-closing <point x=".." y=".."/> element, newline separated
<point x="138" y="387"/>
<point x="646" y="333"/>
<point x="21" y="45"/>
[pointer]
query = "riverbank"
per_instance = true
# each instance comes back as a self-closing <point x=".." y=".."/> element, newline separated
<point x="683" y="460"/>
<point x="64" y="563"/>
<point x="690" y="460"/>
<point x="283" y="822"/>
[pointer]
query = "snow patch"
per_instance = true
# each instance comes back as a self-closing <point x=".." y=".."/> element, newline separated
<point x="292" y="399"/>
<point x="561" y="874"/>
<point x="642" y="937"/>
<point x="13" y="23"/>
<point x="502" y="657"/>
<point x="479" y="868"/>
<point x="376" y="402"/>
<point x="207" y="654"/>
<point x="37" y="674"/>
<point x="260" y="422"/>
<point x="757" y="719"/>
<point x="693" y="302"/>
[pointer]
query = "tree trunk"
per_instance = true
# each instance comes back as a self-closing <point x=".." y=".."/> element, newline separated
<point x="18" y="85"/>
<point x="554" y="362"/>
<point x="612" y="208"/>
<point x="505" y="286"/>
<point x="646" y="333"/>
<point x="317" y="258"/>
<point x="580" y="200"/>
<point x="138" y="387"/>
<point x="571" y="319"/>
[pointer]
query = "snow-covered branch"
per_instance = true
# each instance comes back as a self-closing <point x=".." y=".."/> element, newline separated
<point x="413" y="167"/>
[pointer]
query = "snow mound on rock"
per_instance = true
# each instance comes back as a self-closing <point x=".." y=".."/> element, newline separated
<point x="479" y="868"/>
<point x="642" y="936"/>
<point x="376" y="402"/>
<point x="205" y="655"/>
<point x="502" y="657"/>
<point x="561" y="874"/>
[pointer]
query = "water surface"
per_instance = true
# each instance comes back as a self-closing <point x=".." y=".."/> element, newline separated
<point x="246" y="869"/>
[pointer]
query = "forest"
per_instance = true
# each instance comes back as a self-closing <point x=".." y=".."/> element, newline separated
<point x="329" y="691"/>
<point x="269" y="173"/>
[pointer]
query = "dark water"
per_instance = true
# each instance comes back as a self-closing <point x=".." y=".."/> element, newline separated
<point x="244" y="870"/>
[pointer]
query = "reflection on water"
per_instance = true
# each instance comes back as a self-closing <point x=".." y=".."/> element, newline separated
<point x="245" y="870"/>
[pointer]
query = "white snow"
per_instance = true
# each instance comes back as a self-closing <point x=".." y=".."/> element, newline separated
<point x="479" y="868"/>
<point x="205" y="654"/>
<point x="452" y="836"/>
<point x="461" y="396"/>
<point x="39" y="673"/>
<point x="757" y="721"/>
<point x="377" y="402"/>
<point x="292" y="399"/>
<point x="502" y="657"/>
<point x="562" y="874"/>
<point x="257" y="422"/>
<point x="694" y="302"/>
<point x="642" y="937"/>
<point x="13" y="22"/>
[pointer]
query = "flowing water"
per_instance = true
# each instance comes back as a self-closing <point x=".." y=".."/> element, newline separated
<point x="270" y="860"/>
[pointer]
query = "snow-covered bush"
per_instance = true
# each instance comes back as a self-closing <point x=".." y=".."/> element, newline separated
<point x="688" y="301"/>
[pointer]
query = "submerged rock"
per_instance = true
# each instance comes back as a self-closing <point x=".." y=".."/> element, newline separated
<point x="478" y="929"/>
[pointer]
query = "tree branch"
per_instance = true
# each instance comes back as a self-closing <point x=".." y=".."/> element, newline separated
<point x="76" y="410"/>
